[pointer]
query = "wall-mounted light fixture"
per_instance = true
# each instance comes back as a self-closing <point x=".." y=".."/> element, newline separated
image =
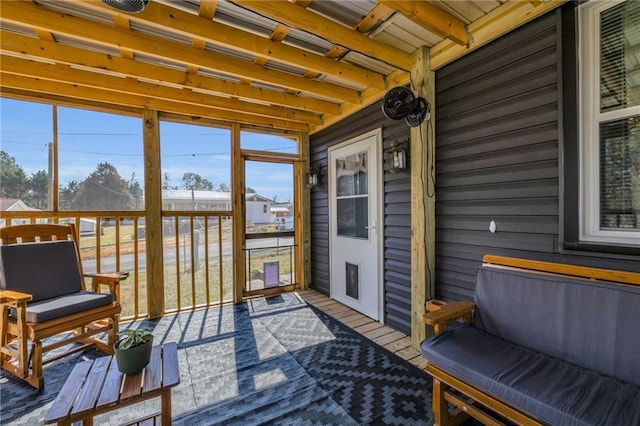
<point x="395" y="158"/>
<point x="314" y="177"/>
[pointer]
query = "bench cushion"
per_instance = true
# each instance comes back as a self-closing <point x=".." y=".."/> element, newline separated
<point x="68" y="304"/>
<point x="554" y="391"/>
<point x="589" y="323"/>
<point x="44" y="270"/>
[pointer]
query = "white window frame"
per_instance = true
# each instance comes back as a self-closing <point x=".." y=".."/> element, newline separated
<point x="589" y="132"/>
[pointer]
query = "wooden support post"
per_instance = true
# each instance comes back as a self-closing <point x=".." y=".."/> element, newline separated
<point x="237" y="191"/>
<point x="153" y="214"/>
<point x="422" y="199"/>
<point x="305" y="213"/>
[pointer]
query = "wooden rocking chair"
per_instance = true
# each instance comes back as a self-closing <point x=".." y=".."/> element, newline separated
<point x="42" y="294"/>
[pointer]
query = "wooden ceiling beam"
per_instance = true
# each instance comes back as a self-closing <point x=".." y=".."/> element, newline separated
<point x="66" y="74"/>
<point x="24" y="13"/>
<point x="39" y="87"/>
<point x="376" y="15"/>
<point x="298" y="17"/>
<point x="431" y="18"/>
<point x="30" y="47"/>
<point x="166" y="17"/>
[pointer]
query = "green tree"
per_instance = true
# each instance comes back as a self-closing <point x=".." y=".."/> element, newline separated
<point x="103" y="189"/>
<point x="39" y="190"/>
<point x="67" y="194"/>
<point x="223" y="187"/>
<point x="249" y="190"/>
<point x="13" y="180"/>
<point x="136" y="191"/>
<point x="196" y="182"/>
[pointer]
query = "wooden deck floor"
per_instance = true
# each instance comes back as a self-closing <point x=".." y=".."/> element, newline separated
<point x="393" y="340"/>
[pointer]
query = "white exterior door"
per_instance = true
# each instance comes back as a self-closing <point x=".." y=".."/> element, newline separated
<point x="355" y="228"/>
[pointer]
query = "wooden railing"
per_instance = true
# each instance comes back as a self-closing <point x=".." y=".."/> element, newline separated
<point x="197" y="250"/>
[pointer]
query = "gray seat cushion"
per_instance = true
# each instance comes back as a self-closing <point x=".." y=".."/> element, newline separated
<point x="43" y="270"/>
<point x="68" y="304"/>
<point x="593" y="324"/>
<point x="554" y="391"/>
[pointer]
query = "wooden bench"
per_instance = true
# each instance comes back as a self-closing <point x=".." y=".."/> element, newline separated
<point x="43" y="294"/>
<point x="542" y="343"/>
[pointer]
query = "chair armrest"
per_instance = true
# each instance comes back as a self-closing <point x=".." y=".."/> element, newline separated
<point x="453" y="311"/>
<point x="10" y="296"/>
<point x="112" y="280"/>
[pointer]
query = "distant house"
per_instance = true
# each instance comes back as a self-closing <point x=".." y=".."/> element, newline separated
<point x="258" y="207"/>
<point x="14" y="205"/>
<point x="187" y="199"/>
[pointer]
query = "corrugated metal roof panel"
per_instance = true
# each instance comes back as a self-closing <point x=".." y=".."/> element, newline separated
<point x="17" y="29"/>
<point x="160" y="62"/>
<point x="236" y="16"/>
<point x="79" y="10"/>
<point x="404" y="34"/>
<point x="214" y="74"/>
<point x="236" y="54"/>
<point x="151" y="30"/>
<point x="83" y="44"/>
<point x="367" y="62"/>
<point x="284" y="67"/>
<point x="348" y="12"/>
<point x="342" y="82"/>
<point x="304" y="40"/>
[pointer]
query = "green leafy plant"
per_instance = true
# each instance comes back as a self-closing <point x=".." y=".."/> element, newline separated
<point x="132" y="338"/>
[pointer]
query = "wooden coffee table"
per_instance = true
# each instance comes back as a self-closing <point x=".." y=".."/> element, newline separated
<point x="96" y="386"/>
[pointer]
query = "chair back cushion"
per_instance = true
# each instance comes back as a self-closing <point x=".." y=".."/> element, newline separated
<point x="592" y="324"/>
<point x="44" y="270"/>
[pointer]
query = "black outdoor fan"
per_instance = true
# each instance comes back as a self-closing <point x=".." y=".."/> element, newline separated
<point x="132" y="6"/>
<point x="400" y="103"/>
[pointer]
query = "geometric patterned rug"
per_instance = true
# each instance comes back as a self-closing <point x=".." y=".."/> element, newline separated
<point x="267" y="361"/>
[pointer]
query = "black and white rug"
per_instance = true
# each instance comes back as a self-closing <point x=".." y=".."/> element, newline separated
<point x="267" y="361"/>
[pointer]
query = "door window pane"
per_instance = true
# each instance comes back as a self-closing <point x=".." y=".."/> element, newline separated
<point x="353" y="216"/>
<point x="351" y="175"/>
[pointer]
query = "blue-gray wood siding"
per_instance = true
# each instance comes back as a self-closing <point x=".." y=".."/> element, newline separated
<point x="397" y="214"/>
<point x="498" y="144"/>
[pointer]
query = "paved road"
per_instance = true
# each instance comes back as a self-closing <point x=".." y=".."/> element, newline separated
<point x="127" y="260"/>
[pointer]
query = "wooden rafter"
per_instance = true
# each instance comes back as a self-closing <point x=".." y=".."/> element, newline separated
<point x="81" y="29"/>
<point x="298" y="17"/>
<point x="37" y="87"/>
<point x="162" y="16"/>
<point x="66" y="74"/>
<point x="208" y="8"/>
<point x="24" y="45"/>
<point x="376" y="15"/>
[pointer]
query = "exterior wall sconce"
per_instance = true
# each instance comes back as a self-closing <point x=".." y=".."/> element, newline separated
<point x="395" y="158"/>
<point x="313" y="177"/>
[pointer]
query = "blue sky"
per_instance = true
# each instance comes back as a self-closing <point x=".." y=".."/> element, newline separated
<point x="87" y="138"/>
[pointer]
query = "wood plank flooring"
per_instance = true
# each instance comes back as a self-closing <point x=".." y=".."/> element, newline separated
<point x="393" y="340"/>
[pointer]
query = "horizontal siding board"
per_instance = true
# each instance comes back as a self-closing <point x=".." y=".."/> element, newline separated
<point x="493" y="143"/>
<point x="536" y="224"/>
<point x="509" y="173"/>
<point x="497" y="207"/>
<point x="512" y="122"/>
<point x="528" y="189"/>
<point x="495" y="112"/>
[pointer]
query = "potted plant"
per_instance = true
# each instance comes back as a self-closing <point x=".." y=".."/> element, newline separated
<point x="133" y="350"/>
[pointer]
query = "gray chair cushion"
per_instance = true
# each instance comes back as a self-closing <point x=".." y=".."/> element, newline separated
<point x="44" y="270"/>
<point x="554" y="391"/>
<point x="588" y="323"/>
<point x="68" y="304"/>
